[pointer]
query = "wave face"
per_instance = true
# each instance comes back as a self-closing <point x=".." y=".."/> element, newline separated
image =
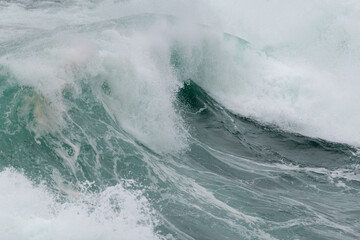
<point x="137" y="119"/>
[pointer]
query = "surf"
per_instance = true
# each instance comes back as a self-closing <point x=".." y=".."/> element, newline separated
<point x="179" y="120"/>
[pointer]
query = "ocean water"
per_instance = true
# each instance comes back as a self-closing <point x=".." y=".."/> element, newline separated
<point x="194" y="120"/>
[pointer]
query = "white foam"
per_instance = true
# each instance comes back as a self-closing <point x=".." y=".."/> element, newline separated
<point x="32" y="212"/>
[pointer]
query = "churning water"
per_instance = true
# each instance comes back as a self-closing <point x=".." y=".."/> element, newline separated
<point x="182" y="119"/>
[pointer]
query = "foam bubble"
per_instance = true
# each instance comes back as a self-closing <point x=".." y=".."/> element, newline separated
<point x="31" y="211"/>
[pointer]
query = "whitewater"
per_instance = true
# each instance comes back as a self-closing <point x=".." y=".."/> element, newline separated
<point x="182" y="119"/>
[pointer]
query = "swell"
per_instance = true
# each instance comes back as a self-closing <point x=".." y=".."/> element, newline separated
<point x="199" y="107"/>
<point x="254" y="167"/>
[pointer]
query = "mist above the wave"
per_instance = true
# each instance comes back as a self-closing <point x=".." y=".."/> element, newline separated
<point x="302" y="73"/>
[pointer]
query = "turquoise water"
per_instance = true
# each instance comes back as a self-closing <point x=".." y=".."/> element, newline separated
<point x="179" y="120"/>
